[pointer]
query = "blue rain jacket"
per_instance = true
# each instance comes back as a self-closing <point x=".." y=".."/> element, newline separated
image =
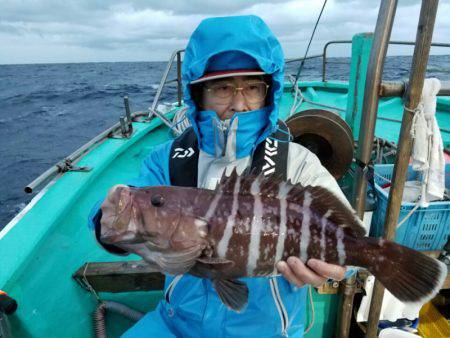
<point x="191" y="307"/>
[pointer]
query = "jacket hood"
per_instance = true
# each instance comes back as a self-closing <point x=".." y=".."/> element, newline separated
<point x="236" y="42"/>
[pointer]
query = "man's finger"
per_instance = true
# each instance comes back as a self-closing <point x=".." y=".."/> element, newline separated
<point x="327" y="270"/>
<point x="303" y="273"/>
<point x="287" y="273"/>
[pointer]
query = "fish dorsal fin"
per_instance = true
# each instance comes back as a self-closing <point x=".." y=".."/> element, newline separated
<point x="324" y="203"/>
<point x="227" y="182"/>
<point x="270" y="186"/>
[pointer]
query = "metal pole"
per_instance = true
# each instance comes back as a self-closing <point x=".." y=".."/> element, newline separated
<point x="54" y="170"/>
<point x="179" y="81"/>
<point x="411" y="43"/>
<point x="416" y="79"/>
<point x="406" y="43"/>
<point x="378" y="51"/>
<point x="324" y="61"/>
<point x="163" y="81"/>
<point x="390" y="89"/>
<point x="370" y="104"/>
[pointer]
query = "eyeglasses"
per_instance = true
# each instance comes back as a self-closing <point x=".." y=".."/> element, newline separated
<point x="253" y="92"/>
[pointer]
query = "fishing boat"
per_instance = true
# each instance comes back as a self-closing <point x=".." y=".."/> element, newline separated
<point x="50" y="262"/>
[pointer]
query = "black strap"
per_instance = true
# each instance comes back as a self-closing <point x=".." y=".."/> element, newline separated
<point x="270" y="157"/>
<point x="183" y="161"/>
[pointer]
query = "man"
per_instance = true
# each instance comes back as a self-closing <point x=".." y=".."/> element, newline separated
<point x="233" y="82"/>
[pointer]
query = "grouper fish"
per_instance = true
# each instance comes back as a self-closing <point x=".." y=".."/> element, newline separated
<point x="249" y="223"/>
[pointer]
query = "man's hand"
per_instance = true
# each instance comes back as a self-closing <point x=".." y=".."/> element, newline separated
<point x="315" y="272"/>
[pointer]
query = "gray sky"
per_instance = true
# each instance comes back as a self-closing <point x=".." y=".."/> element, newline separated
<point x="39" y="31"/>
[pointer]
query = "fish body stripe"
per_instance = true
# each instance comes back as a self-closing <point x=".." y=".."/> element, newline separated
<point x="306" y="222"/>
<point x="323" y="223"/>
<point x="212" y="207"/>
<point x="340" y="245"/>
<point x="282" y="194"/>
<point x="222" y="247"/>
<point x="256" y="227"/>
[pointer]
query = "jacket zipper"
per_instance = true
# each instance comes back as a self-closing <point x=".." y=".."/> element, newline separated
<point x="224" y="126"/>
<point x="280" y="306"/>
<point x="171" y="287"/>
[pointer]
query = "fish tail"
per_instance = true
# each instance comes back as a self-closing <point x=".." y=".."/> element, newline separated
<point x="409" y="275"/>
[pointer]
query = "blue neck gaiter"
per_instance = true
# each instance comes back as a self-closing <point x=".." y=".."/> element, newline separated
<point x="236" y="137"/>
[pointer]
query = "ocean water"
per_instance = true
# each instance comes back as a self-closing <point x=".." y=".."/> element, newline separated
<point x="49" y="110"/>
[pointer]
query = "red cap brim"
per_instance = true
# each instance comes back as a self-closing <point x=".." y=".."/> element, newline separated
<point x="228" y="73"/>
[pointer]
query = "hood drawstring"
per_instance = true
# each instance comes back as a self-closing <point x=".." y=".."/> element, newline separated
<point x="221" y="129"/>
<point x="235" y="137"/>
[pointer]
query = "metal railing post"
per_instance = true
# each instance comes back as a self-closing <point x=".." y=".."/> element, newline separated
<point x="405" y="43"/>
<point x="324" y="60"/>
<point x="179" y="80"/>
<point x="163" y="82"/>
<point x="371" y="97"/>
<point x="416" y="80"/>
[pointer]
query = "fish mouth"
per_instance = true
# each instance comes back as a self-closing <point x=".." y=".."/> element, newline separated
<point x="111" y="237"/>
<point x="117" y="222"/>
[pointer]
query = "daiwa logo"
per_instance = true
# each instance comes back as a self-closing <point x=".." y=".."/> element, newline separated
<point x="270" y="149"/>
<point x="183" y="153"/>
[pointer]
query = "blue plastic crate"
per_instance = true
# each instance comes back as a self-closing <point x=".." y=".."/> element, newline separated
<point x="426" y="229"/>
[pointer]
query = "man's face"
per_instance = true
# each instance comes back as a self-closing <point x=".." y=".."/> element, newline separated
<point x="234" y="94"/>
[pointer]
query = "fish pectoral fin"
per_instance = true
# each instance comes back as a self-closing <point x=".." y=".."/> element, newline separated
<point x="178" y="262"/>
<point x="232" y="292"/>
<point x="216" y="262"/>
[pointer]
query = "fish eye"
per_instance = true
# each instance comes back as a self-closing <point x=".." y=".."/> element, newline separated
<point x="157" y="200"/>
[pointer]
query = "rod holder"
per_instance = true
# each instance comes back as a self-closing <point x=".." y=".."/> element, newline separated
<point x="129" y="125"/>
<point x="123" y="126"/>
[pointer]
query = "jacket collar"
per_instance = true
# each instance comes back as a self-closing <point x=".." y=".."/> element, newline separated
<point x="233" y="138"/>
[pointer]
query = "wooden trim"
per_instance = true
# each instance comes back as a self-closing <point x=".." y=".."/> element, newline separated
<point x="119" y="276"/>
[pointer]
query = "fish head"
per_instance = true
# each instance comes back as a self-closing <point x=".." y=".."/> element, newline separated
<point x="137" y="215"/>
<point x="170" y="220"/>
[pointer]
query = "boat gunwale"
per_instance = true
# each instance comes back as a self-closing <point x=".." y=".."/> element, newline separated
<point x="14" y="263"/>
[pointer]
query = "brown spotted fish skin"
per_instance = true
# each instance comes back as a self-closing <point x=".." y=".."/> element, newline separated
<point x="248" y="224"/>
<point x="256" y="223"/>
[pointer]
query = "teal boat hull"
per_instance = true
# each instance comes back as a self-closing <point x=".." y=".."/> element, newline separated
<point x="49" y="240"/>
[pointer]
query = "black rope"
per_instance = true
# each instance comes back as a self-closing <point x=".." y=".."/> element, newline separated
<point x="309" y="44"/>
